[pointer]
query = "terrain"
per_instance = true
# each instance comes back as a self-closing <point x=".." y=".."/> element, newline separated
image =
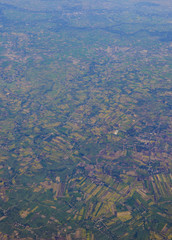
<point x="85" y="97"/>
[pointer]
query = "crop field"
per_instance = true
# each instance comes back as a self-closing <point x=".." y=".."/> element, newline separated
<point x="85" y="120"/>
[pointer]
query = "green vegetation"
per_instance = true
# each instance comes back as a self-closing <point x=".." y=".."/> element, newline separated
<point x="85" y="147"/>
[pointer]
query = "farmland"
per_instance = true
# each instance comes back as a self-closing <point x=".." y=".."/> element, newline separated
<point x="85" y="96"/>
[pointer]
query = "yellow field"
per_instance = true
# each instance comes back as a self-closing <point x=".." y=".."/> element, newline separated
<point x="124" y="216"/>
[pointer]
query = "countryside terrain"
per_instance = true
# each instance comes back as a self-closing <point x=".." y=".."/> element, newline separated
<point x="85" y="120"/>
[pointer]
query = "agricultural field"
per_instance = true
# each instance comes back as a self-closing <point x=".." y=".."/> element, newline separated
<point x="85" y="120"/>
